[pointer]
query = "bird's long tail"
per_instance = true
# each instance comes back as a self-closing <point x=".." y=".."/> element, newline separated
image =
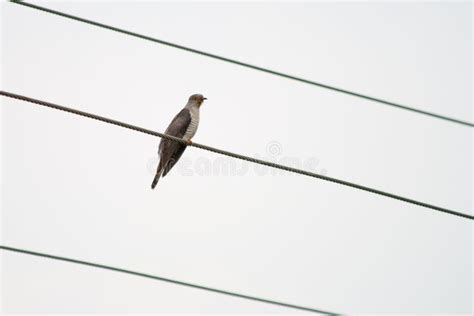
<point x="159" y="171"/>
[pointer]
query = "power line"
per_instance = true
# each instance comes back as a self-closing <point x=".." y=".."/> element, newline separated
<point x="234" y="155"/>
<point x="236" y="62"/>
<point x="154" y="277"/>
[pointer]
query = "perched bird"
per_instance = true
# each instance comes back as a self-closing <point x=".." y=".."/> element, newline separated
<point x="184" y="125"/>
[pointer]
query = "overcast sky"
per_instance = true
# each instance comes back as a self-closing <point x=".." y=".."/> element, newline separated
<point x="81" y="188"/>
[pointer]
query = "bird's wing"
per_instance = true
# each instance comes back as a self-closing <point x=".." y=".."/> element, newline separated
<point x="174" y="159"/>
<point x="170" y="151"/>
<point x="179" y="124"/>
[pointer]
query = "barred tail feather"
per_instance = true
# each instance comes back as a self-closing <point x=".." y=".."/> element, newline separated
<point x="159" y="172"/>
<point x="155" y="180"/>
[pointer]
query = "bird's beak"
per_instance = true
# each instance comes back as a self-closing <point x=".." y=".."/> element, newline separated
<point x="205" y="98"/>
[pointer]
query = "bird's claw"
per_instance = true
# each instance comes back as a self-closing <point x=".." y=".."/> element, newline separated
<point x="189" y="142"/>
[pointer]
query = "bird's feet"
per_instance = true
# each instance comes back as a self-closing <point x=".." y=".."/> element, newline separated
<point x="189" y="142"/>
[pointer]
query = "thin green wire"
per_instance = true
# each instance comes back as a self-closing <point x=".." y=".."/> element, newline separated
<point x="154" y="277"/>
<point x="236" y="62"/>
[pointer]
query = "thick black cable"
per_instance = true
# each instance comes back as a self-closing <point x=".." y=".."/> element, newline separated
<point x="234" y="155"/>
<point x="236" y="62"/>
<point x="154" y="277"/>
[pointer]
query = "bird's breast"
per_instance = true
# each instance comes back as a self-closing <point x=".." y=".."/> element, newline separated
<point x="193" y="125"/>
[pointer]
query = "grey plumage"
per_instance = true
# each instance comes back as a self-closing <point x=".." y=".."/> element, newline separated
<point x="184" y="125"/>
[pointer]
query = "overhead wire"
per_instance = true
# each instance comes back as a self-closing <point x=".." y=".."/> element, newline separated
<point x="243" y="64"/>
<point x="235" y="155"/>
<point x="168" y="280"/>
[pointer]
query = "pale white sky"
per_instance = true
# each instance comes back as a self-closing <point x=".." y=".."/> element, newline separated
<point x="80" y="188"/>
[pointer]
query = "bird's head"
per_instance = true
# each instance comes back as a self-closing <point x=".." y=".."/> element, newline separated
<point x="197" y="99"/>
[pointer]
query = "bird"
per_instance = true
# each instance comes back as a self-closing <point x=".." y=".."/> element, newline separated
<point x="184" y="125"/>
